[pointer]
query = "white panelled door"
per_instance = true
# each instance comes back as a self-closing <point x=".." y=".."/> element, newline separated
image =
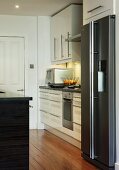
<point x="12" y="64"/>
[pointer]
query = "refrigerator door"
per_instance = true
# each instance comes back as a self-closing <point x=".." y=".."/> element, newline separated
<point x="89" y="91"/>
<point x="98" y="92"/>
<point x="104" y="116"/>
<point x="85" y="91"/>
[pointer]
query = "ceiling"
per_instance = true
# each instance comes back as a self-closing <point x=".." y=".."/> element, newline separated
<point x="33" y="7"/>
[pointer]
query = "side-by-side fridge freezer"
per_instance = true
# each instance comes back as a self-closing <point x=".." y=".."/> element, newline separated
<point x="98" y="92"/>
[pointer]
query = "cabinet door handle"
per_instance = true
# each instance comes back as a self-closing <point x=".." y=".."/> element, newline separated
<point x="62" y="46"/>
<point x="54" y="48"/>
<point x="100" y="6"/>
<point x="20" y="90"/>
<point x="68" y="44"/>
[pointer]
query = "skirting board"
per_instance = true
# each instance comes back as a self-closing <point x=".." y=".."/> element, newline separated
<point x="116" y="166"/>
<point x="41" y="126"/>
<point x="63" y="136"/>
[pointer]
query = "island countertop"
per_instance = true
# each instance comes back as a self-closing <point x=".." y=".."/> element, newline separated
<point x="13" y="96"/>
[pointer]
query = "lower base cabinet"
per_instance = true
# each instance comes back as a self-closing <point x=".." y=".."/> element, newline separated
<point x="77" y="130"/>
<point x="14" y="135"/>
<point x="51" y="112"/>
<point x="51" y="107"/>
<point x="51" y="120"/>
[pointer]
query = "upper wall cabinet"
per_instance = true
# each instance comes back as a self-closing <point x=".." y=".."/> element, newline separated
<point x="96" y="9"/>
<point x="64" y="25"/>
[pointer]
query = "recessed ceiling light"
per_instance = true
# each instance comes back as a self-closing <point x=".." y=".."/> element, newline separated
<point x="17" y="6"/>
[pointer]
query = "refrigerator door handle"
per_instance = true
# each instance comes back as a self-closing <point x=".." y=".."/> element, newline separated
<point x="90" y="87"/>
<point x="92" y="90"/>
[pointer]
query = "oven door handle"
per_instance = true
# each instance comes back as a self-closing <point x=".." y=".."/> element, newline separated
<point x="67" y="100"/>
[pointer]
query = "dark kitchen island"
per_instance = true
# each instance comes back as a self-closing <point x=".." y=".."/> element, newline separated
<point x="14" y="132"/>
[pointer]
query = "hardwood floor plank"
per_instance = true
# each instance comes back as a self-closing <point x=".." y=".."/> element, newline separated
<point x="48" y="152"/>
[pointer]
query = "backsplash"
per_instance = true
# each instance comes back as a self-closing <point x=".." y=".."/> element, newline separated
<point x="77" y="70"/>
<point x="76" y="66"/>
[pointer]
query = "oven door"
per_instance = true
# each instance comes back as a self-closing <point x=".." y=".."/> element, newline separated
<point x="67" y="114"/>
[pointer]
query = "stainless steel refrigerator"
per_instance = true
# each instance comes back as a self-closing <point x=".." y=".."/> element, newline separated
<point x="98" y="92"/>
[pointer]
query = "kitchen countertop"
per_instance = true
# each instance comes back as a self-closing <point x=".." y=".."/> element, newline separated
<point x="12" y="96"/>
<point x="76" y="90"/>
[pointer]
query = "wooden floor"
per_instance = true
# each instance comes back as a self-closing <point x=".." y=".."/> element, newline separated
<point x="48" y="152"/>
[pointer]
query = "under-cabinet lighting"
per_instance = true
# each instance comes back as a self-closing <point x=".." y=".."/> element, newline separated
<point x="17" y="6"/>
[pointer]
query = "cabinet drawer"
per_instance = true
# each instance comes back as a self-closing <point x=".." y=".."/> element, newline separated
<point x="44" y="117"/>
<point x="77" y="103"/>
<point x="51" y="120"/>
<point x="77" y="95"/>
<point x="44" y="105"/>
<point x="77" y="131"/>
<point x="55" y="121"/>
<point x="77" y="99"/>
<point x="55" y="92"/>
<point x="55" y="108"/>
<point x="44" y="95"/>
<point x="77" y="128"/>
<point x="55" y="97"/>
<point x="44" y="90"/>
<point x="77" y="115"/>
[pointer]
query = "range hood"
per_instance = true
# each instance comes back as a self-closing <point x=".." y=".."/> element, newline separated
<point x="75" y="38"/>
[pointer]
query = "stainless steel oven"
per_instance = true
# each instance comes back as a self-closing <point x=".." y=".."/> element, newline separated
<point x="68" y="110"/>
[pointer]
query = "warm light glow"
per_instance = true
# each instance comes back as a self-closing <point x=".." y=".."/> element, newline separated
<point x="17" y="6"/>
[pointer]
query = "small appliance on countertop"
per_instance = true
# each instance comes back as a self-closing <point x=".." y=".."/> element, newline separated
<point x="56" y="76"/>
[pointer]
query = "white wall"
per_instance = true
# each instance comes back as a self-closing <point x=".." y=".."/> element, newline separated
<point x="117" y="84"/>
<point x="26" y="27"/>
<point x="44" y="61"/>
<point x="43" y="53"/>
<point x="36" y="31"/>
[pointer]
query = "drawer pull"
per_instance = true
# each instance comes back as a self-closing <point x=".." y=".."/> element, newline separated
<point x="49" y="113"/>
<point x="20" y="89"/>
<point x="95" y="8"/>
<point x="79" y="106"/>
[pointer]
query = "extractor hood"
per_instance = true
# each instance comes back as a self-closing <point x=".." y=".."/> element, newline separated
<point x="75" y="38"/>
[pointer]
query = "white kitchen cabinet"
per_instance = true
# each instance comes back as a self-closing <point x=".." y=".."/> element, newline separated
<point x="76" y="96"/>
<point x="55" y="39"/>
<point x="44" y="95"/>
<point x="96" y="9"/>
<point x="50" y="120"/>
<point x="77" y="108"/>
<point x="77" y="128"/>
<point x="64" y="25"/>
<point x="44" y="105"/>
<point x="51" y="107"/>
<point x="77" y="115"/>
<point x="55" y="95"/>
<point x="77" y="131"/>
